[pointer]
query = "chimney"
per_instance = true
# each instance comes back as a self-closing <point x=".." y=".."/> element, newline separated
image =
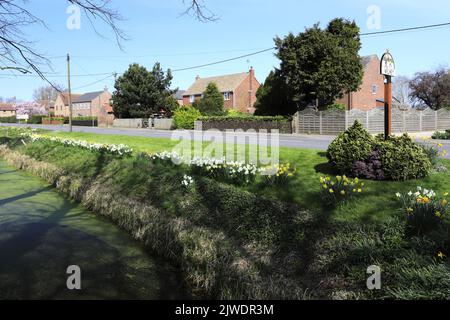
<point x="197" y="78"/>
<point x="105" y="89"/>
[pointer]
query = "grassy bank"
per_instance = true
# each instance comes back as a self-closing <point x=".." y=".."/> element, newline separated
<point x="257" y="241"/>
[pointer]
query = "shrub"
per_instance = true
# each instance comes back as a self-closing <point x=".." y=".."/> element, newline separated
<point x="36" y="119"/>
<point x="402" y="159"/>
<point x="185" y="117"/>
<point x="425" y="210"/>
<point x="353" y="145"/>
<point x="339" y="190"/>
<point x="442" y="135"/>
<point x="337" y="106"/>
<point x="371" y="168"/>
<point x="234" y="113"/>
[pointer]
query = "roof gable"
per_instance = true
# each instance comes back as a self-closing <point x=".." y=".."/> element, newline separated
<point x="366" y="60"/>
<point x="225" y="83"/>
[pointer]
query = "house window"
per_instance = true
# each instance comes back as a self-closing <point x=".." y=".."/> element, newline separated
<point x="374" y="89"/>
<point x="226" y="96"/>
<point x="192" y="99"/>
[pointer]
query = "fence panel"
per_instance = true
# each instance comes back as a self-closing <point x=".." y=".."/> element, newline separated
<point x="428" y="120"/>
<point x="334" y="122"/>
<point x="443" y="122"/>
<point x="309" y="122"/>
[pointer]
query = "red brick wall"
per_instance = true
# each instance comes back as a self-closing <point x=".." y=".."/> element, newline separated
<point x="243" y="96"/>
<point x="364" y="99"/>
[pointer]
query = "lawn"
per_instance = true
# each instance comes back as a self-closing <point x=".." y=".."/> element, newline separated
<point x="377" y="203"/>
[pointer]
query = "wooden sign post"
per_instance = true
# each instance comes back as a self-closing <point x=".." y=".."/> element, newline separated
<point x="387" y="69"/>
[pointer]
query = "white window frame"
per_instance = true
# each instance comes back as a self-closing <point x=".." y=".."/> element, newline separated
<point x="191" y="98"/>
<point x="227" y="96"/>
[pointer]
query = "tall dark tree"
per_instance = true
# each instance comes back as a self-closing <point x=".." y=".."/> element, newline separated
<point x="139" y="93"/>
<point x="321" y="64"/>
<point x="212" y="103"/>
<point x="431" y="89"/>
<point x="274" y="98"/>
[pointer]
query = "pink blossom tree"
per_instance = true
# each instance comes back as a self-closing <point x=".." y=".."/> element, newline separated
<point x="31" y="109"/>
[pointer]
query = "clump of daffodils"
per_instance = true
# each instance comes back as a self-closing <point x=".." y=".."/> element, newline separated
<point x="278" y="173"/>
<point x="120" y="149"/>
<point x="340" y="189"/>
<point x="425" y="210"/>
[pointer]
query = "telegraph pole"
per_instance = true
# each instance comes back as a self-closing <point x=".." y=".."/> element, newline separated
<point x="70" y="93"/>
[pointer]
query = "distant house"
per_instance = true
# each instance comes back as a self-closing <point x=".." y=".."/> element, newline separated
<point x="179" y="96"/>
<point x="371" y="93"/>
<point x="7" y="110"/>
<point x="83" y="105"/>
<point x="239" y="90"/>
<point x="61" y="105"/>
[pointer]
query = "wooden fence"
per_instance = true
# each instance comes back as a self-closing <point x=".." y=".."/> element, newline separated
<point x="334" y="122"/>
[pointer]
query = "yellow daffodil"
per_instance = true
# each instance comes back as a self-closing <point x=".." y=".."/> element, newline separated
<point x="331" y="191"/>
<point x="343" y="192"/>
<point x="441" y="255"/>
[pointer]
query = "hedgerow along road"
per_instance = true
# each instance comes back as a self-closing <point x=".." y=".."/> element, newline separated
<point x="42" y="233"/>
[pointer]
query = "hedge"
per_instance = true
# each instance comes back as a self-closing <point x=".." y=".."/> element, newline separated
<point x="8" y="119"/>
<point x="284" y="125"/>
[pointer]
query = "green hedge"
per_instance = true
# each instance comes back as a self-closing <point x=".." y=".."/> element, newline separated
<point x="8" y="119"/>
<point x="185" y="117"/>
<point x="244" y="118"/>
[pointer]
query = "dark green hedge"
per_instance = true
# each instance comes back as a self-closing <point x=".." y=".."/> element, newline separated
<point x="245" y="118"/>
<point x="8" y="119"/>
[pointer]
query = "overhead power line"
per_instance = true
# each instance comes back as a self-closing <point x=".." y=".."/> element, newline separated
<point x="447" y="24"/>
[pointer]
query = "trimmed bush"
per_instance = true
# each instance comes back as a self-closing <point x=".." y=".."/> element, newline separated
<point x="36" y="119"/>
<point x="353" y="145"/>
<point x="356" y="153"/>
<point x="402" y="159"/>
<point x="185" y="117"/>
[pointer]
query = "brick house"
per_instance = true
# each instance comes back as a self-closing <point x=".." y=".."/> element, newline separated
<point x="239" y="90"/>
<point x="61" y="105"/>
<point x="7" y="110"/>
<point x="83" y="105"/>
<point x="371" y="93"/>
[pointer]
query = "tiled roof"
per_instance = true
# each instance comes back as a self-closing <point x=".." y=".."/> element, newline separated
<point x="65" y="97"/>
<point x="7" y="107"/>
<point x="225" y="83"/>
<point x="88" y="97"/>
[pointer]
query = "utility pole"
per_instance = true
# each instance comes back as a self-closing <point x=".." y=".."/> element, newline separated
<point x="70" y="93"/>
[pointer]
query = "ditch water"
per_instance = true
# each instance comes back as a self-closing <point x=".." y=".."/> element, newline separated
<point x="42" y="233"/>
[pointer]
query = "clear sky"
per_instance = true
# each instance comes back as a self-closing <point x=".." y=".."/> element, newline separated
<point x="158" y="32"/>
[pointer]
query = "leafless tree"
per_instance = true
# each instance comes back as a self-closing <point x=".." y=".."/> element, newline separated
<point x="17" y="52"/>
<point x="402" y="92"/>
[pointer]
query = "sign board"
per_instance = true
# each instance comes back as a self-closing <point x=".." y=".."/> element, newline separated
<point x="387" y="65"/>
<point x="22" y="117"/>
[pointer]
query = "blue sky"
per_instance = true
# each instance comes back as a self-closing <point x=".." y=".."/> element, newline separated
<point x="157" y="32"/>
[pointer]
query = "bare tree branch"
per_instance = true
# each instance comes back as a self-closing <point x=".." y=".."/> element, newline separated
<point x="200" y="12"/>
